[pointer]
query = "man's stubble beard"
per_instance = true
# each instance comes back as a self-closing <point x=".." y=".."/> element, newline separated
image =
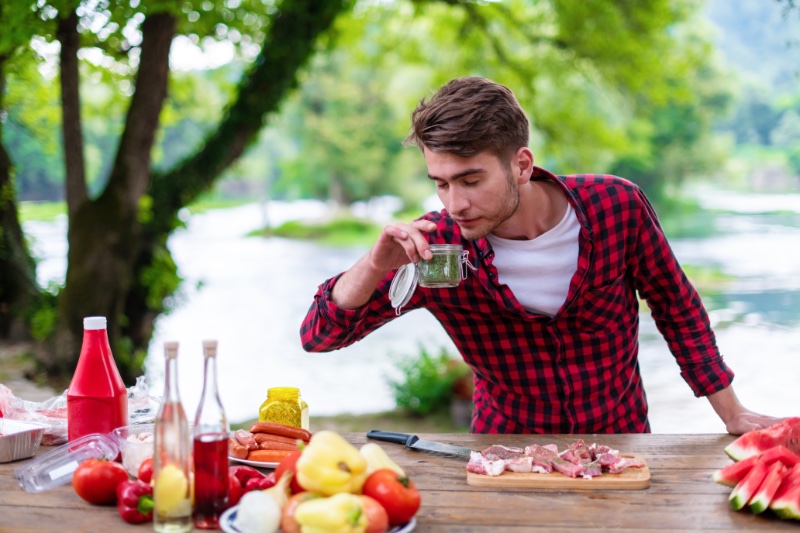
<point x="505" y="210"/>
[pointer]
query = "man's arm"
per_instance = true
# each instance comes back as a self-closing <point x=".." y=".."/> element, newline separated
<point x="737" y="418"/>
<point x="396" y="246"/>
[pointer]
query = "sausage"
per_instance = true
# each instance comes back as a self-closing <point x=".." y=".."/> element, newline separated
<point x="280" y="429"/>
<point x="270" y="444"/>
<point x="236" y="450"/>
<point x="268" y="456"/>
<point x="246" y="439"/>
<point x="261" y="437"/>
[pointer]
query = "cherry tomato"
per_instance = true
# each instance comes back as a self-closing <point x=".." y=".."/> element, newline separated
<point x="146" y="470"/>
<point x="290" y="464"/>
<point x="377" y="518"/>
<point x="96" y="480"/>
<point x="397" y="494"/>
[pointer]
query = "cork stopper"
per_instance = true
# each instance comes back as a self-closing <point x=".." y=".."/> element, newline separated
<point x="210" y="348"/>
<point x="170" y="349"/>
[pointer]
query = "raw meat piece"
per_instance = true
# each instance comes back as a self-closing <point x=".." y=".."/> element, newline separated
<point x="566" y="468"/>
<point x="623" y="463"/>
<point x="504" y="452"/>
<point x="479" y="464"/>
<point x="592" y="469"/>
<point x="519" y="464"/>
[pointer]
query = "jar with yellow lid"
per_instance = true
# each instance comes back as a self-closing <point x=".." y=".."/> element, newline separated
<point x="284" y="406"/>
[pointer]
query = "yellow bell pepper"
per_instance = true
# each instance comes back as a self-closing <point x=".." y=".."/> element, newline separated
<point x="376" y="459"/>
<point x="330" y="465"/>
<point x="340" y="513"/>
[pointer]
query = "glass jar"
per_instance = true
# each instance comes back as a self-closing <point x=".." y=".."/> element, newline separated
<point x="284" y="406"/>
<point x="443" y="270"/>
<point x="446" y="269"/>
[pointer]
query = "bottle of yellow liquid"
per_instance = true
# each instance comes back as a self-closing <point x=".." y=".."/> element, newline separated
<point x="284" y="406"/>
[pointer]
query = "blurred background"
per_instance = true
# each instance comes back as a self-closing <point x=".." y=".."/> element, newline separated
<point x="196" y="170"/>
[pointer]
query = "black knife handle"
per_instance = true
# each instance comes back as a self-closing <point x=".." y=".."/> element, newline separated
<point x="392" y="436"/>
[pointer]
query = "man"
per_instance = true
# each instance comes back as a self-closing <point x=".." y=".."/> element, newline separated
<point x="549" y="320"/>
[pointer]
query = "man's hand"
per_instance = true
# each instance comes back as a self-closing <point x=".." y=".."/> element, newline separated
<point x="397" y="245"/>
<point x="738" y="419"/>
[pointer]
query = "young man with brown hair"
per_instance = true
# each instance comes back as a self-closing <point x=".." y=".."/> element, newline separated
<point x="549" y="321"/>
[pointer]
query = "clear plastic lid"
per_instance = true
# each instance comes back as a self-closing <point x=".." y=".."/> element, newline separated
<point x="55" y="467"/>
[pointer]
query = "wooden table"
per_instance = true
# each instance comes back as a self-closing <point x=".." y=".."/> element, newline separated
<point x="681" y="495"/>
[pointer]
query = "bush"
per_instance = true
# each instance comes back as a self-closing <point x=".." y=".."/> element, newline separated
<point x="427" y="381"/>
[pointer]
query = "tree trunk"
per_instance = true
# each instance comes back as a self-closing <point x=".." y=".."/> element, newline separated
<point x="105" y="235"/>
<point x="71" y="113"/>
<point x="289" y="44"/>
<point x="18" y="287"/>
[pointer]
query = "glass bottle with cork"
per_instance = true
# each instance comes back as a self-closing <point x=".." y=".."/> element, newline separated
<point x="284" y="406"/>
<point x="171" y="463"/>
<point x="210" y="448"/>
<point x="97" y="400"/>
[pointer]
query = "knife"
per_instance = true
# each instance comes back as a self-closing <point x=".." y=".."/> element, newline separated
<point x="415" y="443"/>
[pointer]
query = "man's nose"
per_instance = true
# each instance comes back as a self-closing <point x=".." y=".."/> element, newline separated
<point x="457" y="201"/>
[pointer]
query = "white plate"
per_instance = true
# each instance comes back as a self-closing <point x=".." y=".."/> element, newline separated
<point x="257" y="464"/>
<point x="226" y="522"/>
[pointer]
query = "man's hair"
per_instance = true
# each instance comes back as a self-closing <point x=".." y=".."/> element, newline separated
<point x="470" y="115"/>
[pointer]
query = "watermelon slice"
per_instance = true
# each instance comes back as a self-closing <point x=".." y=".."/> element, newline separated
<point x="772" y="481"/>
<point x="786" y="502"/>
<point x="732" y="474"/>
<point x="748" y="487"/>
<point x="786" y="433"/>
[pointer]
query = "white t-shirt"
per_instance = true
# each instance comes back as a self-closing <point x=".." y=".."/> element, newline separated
<point x="538" y="271"/>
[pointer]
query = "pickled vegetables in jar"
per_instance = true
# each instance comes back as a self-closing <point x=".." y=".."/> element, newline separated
<point x="284" y="405"/>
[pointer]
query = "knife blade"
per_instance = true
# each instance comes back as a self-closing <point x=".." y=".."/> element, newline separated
<point x="415" y="443"/>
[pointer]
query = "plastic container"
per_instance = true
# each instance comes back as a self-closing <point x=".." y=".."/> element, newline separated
<point x="55" y="467"/>
<point x="136" y="443"/>
<point x="97" y="400"/>
<point x="284" y="406"/>
<point x="446" y="269"/>
<point x="19" y="440"/>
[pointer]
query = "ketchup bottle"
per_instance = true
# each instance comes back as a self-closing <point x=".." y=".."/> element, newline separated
<point x="97" y="400"/>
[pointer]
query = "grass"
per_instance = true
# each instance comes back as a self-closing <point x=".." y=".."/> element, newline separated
<point x="339" y="232"/>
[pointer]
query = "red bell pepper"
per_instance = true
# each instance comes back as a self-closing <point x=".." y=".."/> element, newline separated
<point x="243" y="479"/>
<point x="260" y="483"/>
<point x="135" y="501"/>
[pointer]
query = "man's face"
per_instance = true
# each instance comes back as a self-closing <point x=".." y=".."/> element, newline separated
<point x="479" y="192"/>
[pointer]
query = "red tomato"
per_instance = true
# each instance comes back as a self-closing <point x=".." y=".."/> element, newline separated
<point x="288" y="522"/>
<point x="146" y="470"/>
<point x="96" y="480"/>
<point x="377" y="518"/>
<point x="235" y="491"/>
<point x="290" y="464"/>
<point x="397" y="494"/>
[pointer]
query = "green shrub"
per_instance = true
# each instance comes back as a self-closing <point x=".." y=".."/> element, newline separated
<point x="427" y="381"/>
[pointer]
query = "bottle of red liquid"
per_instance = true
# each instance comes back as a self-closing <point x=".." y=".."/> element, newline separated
<point x="97" y="401"/>
<point x="210" y="448"/>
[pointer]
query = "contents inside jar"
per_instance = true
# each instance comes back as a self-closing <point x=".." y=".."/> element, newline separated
<point x="443" y="270"/>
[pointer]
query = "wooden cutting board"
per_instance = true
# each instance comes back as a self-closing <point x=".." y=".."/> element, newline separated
<point x="628" y="479"/>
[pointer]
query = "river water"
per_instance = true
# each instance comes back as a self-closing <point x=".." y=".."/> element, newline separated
<point x="252" y="293"/>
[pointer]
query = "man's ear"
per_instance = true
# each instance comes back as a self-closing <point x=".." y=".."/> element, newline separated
<point x="522" y="165"/>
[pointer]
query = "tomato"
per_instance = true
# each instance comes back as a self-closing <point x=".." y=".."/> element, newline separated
<point x="288" y="522"/>
<point x="146" y="470"/>
<point x="396" y="493"/>
<point x="290" y="464"/>
<point x="377" y="518"/>
<point x="96" y="480"/>
<point x="235" y="491"/>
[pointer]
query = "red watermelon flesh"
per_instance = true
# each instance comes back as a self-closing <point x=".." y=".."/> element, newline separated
<point x="748" y="487"/>
<point x="763" y="496"/>
<point x="732" y="474"/>
<point x="786" y="433"/>
<point x="786" y="502"/>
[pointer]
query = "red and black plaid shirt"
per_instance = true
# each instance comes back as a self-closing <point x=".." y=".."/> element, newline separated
<point x="576" y="372"/>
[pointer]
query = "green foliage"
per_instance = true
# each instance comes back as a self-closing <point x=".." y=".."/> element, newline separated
<point x="427" y="381"/>
<point x="41" y="210"/>
<point x="44" y="314"/>
<point x="161" y="280"/>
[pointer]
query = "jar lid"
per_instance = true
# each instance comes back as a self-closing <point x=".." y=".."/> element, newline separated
<point x="403" y="285"/>
<point x="446" y="248"/>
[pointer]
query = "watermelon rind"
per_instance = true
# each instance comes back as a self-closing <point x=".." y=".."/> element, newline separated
<point x="772" y="481"/>
<point x="786" y="502"/>
<point x="747" y="488"/>
<point x="786" y="433"/>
